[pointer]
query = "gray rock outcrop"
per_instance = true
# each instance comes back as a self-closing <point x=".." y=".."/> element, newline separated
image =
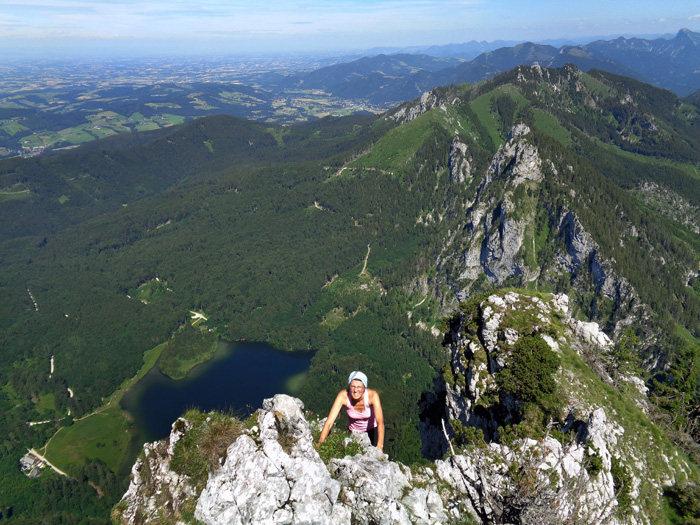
<point x="261" y="482"/>
<point x="427" y="101"/>
<point x="504" y="228"/>
<point x="154" y="485"/>
<point x="274" y="475"/>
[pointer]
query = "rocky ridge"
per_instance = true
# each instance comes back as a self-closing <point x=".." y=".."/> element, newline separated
<point x="498" y="238"/>
<point x="272" y="473"/>
<point x="518" y="220"/>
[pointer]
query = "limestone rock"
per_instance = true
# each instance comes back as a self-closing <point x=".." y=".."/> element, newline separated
<point x="460" y="167"/>
<point x="498" y="239"/>
<point x="275" y="476"/>
<point x="261" y="482"/>
<point x="412" y="110"/>
<point x="154" y="486"/>
<point x="590" y="332"/>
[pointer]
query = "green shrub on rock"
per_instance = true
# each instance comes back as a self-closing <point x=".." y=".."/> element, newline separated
<point x="204" y="445"/>
<point x="529" y="375"/>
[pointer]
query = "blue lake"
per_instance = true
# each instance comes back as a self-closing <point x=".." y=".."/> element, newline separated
<point x="237" y="378"/>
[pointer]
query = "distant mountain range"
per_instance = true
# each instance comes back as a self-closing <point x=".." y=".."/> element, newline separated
<point x="672" y="64"/>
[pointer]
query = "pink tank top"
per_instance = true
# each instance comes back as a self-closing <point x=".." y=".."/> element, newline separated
<point x="361" y="421"/>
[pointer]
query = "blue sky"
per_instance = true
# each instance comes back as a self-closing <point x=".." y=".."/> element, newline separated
<point x="245" y="26"/>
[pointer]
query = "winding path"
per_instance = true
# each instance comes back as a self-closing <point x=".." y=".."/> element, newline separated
<point x="417" y="305"/>
<point x="364" y="268"/>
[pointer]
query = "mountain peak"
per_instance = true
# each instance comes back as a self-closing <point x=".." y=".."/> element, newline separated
<point x="687" y="34"/>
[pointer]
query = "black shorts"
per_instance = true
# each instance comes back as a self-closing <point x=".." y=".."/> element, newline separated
<point x="373" y="436"/>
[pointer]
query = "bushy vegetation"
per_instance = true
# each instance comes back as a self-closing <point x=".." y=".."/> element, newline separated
<point x="529" y="375"/>
<point x="203" y="447"/>
<point x="623" y="487"/>
<point x="683" y="501"/>
<point x="333" y="448"/>
<point x="527" y="380"/>
<point x="188" y="347"/>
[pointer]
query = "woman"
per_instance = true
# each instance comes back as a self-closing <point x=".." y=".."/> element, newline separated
<point x="363" y="408"/>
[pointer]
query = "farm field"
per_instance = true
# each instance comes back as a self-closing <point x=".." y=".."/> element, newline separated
<point x="39" y="113"/>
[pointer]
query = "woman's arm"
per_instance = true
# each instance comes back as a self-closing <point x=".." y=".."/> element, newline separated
<point x="340" y="400"/>
<point x="379" y="416"/>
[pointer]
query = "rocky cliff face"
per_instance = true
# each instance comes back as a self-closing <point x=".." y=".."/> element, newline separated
<point x="272" y="473"/>
<point x="507" y="233"/>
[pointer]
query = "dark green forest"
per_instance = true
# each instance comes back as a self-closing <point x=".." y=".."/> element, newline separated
<point x="266" y="229"/>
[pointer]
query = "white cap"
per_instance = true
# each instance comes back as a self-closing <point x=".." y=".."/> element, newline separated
<point x="359" y="376"/>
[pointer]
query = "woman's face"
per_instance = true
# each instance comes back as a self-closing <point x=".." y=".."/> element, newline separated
<point x="357" y="389"/>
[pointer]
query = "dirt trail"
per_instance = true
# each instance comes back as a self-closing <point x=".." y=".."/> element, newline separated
<point x="364" y="267"/>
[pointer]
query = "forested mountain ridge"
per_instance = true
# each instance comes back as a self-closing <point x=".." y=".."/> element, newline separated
<point x="353" y="237"/>
<point x="75" y="186"/>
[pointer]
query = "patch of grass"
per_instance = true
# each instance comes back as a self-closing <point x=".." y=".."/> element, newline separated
<point x="334" y="318"/>
<point x="550" y="125"/>
<point x="333" y="448"/>
<point x="13" y="128"/>
<point x="103" y="132"/>
<point x="158" y="105"/>
<point x="595" y="86"/>
<point x="109" y="426"/>
<point x="351" y="288"/>
<point x="18" y="191"/>
<point x="149" y="291"/>
<point x="482" y="109"/>
<point x="278" y="134"/>
<point x="169" y="120"/>
<point x="105" y="435"/>
<point x="525" y="320"/>
<point x="47" y="403"/>
<point x="74" y="136"/>
<point x="398" y="147"/>
<point x="146" y="126"/>
<point x="204" y="446"/>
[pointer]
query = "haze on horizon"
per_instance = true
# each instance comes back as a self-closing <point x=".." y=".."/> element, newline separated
<point x="167" y="27"/>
